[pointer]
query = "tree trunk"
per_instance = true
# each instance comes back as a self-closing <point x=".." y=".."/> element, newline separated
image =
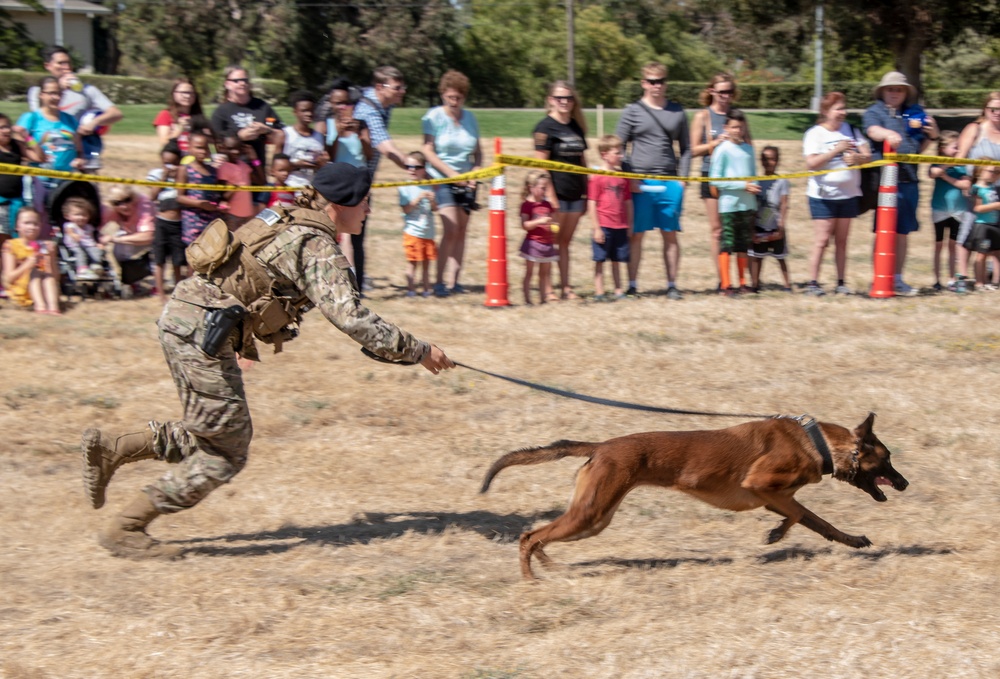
<point x="907" y="56"/>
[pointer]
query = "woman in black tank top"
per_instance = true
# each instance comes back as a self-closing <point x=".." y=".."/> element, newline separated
<point x="706" y="134"/>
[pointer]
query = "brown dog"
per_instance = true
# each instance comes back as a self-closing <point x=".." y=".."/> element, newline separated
<point x="756" y="464"/>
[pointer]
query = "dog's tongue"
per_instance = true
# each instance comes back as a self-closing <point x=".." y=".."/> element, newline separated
<point x="882" y="481"/>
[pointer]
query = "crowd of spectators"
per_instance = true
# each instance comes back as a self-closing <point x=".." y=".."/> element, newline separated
<point x="142" y="231"/>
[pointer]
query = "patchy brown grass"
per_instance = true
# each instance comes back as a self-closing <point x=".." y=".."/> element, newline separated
<point x="355" y="544"/>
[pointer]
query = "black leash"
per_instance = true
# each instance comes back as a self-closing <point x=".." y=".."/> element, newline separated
<point x="605" y="401"/>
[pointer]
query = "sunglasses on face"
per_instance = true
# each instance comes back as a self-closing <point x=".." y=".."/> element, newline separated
<point x="238" y="80"/>
<point x="564" y="99"/>
<point x="769" y="160"/>
<point x="414" y="167"/>
<point x="656" y="81"/>
<point x="395" y="88"/>
<point x="121" y="202"/>
<point x="724" y="91"/>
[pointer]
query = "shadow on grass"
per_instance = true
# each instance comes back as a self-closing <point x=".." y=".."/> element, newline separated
<point x="805" y="554"/>
<point x="365" y="528"/>
<point x="650" y="564"/>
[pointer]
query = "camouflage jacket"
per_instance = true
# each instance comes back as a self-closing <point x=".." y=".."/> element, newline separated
<point x="302" y="261"/>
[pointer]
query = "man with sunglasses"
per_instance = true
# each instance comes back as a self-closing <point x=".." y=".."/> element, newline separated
<point x="387" y="91"/>
<point x="650" y="128"/>
<point x="247" y="117"/>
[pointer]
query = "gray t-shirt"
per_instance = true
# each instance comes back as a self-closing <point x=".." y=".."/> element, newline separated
<point x="652" y="133"/>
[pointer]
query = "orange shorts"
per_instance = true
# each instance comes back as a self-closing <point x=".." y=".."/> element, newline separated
<point x="419" y="249"/>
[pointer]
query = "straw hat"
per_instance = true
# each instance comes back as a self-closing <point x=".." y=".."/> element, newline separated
<point x="894" y="79"/>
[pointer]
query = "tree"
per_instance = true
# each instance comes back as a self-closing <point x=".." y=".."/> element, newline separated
<point x="17" y="48"/>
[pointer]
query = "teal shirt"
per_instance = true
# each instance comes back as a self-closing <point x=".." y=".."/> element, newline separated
<point x="734" y="160"/>
<point x="946" y="198"/>
<point x="454" y="143"/>
<point x="987" y="194"/>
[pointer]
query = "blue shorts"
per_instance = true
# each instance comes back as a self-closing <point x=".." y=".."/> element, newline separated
<point x="572" y="205"/>
<point x="614" y="247"/>
<point x="907" y="197"/>
<point x="822" y="208"/>
<point x="658" y="205"/>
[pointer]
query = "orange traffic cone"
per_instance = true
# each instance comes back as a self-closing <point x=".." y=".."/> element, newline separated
<point x="884" y="263"/>
<point x="496" y="263"/>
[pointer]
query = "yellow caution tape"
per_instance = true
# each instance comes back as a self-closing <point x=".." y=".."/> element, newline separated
<point x="22" y="170"/>
<point x="521" y="161"/>
<point x="917" y="159"/>
<point x="485" y="173"/>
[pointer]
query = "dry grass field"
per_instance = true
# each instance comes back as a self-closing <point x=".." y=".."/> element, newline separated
<point x="355" y="543"/>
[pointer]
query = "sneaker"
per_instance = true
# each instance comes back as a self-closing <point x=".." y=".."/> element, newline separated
<point x="3" y="293"/>
<point x="599" y="298"/>
<point x="952" y="285"/>
<point x="458" y="289"/>
<point x="938" y="287"/>
<point x="960" y="286"/>
<point x="731" y="292"/>
<point x="990" y="287"/>
<point x="631" y="292"/>
<point x="426" y="293"/>
<point x="842" y="290"/>
<point x="673" y="293"/>
<point x="411" y="293"/>
<point x="905" y="290"/>
<point x="366" y="284"/>
<point x="814" y="290"/>
<point x="440" y="290"/>
<point x="786" y="289"/>
<point x="85" y="274"/>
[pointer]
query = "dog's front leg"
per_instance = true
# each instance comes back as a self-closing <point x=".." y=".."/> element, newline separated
<point x="794" y="512"/>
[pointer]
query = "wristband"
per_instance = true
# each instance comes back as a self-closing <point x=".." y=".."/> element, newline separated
<point x="255" y="162"/>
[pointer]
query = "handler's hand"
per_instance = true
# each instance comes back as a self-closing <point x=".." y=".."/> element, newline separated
<point x="436" y="361"/>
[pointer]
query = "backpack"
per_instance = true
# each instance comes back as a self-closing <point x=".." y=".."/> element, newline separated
<point x="871" y="177"/>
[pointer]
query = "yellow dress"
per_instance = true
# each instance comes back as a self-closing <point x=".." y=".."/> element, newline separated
<point x="18" y="291"/>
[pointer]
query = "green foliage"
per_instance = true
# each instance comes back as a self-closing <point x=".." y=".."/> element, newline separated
<point x="604" y="56"/>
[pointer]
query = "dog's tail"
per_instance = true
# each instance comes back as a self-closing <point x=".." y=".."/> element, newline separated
<point x="553" y="451"/>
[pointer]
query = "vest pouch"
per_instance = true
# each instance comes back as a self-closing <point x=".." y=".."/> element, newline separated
<point x="268" y="316"/>
<point x="213" y="247"/>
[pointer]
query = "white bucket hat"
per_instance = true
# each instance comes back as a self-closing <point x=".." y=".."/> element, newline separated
<point x="894" y="79"/>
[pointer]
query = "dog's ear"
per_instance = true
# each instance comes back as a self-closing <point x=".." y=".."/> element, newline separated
<point x="864" y="430"/>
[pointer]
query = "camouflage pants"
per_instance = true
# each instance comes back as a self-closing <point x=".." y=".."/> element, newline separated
<point x="210" y="444"/>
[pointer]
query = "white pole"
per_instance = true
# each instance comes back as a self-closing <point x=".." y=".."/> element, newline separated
<point x="600" y="120"/>
<point x="59" y="22"/>
<point x="818" y="74"/>
<point x="570" y="57"/>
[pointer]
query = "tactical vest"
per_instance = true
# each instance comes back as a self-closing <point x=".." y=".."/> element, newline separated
<point x="228" y="259"/>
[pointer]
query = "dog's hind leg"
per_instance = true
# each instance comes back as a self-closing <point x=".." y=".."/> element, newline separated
<point x="794" y="512"/>
<point x="594" y="504"/>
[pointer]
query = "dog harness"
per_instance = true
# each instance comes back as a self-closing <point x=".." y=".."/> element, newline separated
<point x="816" y="436"/>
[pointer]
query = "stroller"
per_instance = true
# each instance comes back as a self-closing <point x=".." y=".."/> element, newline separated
<point x="105" y="284"/>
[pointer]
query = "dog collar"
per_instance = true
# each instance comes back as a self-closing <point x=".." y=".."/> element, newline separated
<point x="816" y="435"/>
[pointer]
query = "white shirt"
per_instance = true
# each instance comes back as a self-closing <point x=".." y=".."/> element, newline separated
<point x="835" y="185"/>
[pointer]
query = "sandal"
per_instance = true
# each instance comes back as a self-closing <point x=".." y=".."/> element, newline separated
<point x="568" y="294"/>
<point x="552" y="297"/>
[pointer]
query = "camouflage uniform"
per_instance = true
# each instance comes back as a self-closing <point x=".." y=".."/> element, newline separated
<point x="210" y="444"/>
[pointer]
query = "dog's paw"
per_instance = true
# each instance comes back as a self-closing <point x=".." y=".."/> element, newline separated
<point x="858" y="541"/>
<point x="774" y="535"/>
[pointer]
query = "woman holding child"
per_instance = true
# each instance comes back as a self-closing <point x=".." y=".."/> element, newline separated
<point x="562" y="136"/>
<point x="451" y="146"/>
<point x="833" y="144"/>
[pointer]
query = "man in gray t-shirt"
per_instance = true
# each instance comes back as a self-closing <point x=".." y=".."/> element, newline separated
<point x="649" y="128"/>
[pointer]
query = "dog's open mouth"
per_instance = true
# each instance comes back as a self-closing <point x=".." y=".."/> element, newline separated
<point x="877" y="493"/>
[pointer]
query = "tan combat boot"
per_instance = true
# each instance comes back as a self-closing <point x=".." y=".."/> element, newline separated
<point x="126" y="534"/>
<point x="103" y="454"/>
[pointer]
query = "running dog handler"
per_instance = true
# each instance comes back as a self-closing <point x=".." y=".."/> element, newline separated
<point x="254" y="284"/>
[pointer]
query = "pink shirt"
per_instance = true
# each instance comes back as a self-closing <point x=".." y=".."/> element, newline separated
<point x="610" y="194"/>
<point x="238" y="174"/>
<point x="139" y="221"/>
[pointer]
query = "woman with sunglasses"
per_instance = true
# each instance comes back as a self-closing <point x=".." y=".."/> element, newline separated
<point x="127" y="230"/>
<point x="979" y="139"/>
<point x="451" y="146"/>
<point x="54" y="131"/>
<point x="562" y="137"/>
<point x="174" y="122"/>
<point x="706" y="134"/>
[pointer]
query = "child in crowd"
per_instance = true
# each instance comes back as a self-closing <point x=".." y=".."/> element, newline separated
<point x="281" y="167"/>
<point x="985" y="237"/>
<point x="14" y="148"/>
<point x="737" y="203"/>
<point x="305" y="147"/>
<point x="240" y="168"/>
<point x="30" y="267"/>
<point x="167" y="224"/>
<point x="948" y="204"/>
<point x="772" y="215"/>
<point x="609" y="202"/>
<point x="539" y="242"/>
<point x="80" y="237"/>
<point x="198" y="206"/>
<point x="419" y="206"/>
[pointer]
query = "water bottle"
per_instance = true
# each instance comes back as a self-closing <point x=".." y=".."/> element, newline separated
<point x="93" y="161"/>
<point x="74" y="84"/>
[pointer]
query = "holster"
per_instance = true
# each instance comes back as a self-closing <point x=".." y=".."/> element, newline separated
<point x="219" y="325"/>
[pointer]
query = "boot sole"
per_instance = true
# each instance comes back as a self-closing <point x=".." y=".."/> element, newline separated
<point x="92" y="482"/>
<point x="153" y="550"/>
